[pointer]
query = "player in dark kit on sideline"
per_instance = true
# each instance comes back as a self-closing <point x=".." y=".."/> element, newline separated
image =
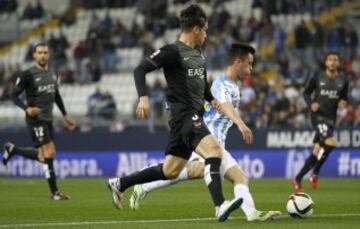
<point x="41" y="88"/>
<point x="183" y="64"/>
<point x="330" y="89"/>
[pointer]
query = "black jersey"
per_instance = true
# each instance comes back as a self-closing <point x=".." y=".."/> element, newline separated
<point x="41" y="89"/>
<point x="185" y="73"/>
<point x="327" y="92"/>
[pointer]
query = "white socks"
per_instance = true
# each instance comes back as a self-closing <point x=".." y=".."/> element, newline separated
<point x="248" y="205"/>
<point x="148" y="187"/>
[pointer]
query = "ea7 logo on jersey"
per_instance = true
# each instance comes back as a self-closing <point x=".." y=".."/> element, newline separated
<point x="49" y="88"/>
<point x="330" y="93"/>
<point x="199" y="72"/>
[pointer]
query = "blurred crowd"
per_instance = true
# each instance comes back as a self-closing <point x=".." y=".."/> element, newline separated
<point x="270" y="99"/>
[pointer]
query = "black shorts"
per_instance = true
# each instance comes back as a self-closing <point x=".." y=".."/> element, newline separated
<point x="41" y="132"/>
<point x="323" y="130"/>
<point x="185" y="135"/>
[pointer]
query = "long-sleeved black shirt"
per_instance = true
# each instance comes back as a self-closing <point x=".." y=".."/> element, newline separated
<point x="327" y="92"/>
<point x="185" y="73"/>
<point x="41" y="90"/>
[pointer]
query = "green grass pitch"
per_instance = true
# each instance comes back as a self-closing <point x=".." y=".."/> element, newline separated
<point x="25" y="203"/>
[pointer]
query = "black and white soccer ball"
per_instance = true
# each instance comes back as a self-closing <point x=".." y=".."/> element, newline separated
<point x="300" y="205"/>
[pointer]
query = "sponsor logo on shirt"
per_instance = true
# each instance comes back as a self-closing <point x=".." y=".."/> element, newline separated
<point x="49" y="88"/>
<point x="332" y="94"/>
<point x="196" y="72"/>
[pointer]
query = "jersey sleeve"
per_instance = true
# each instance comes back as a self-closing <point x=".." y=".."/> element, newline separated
<point x="21" y="83"/>
<point x="309" y="88"/>
<point x="164" y="56"/>
<point x="344" y="92"/>
<point x="221" y="93"/>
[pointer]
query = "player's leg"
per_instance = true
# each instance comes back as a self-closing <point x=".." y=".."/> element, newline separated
<point x="48" y="152"/>
<point x="193" y="170"/>
<point x="170" y="169"/>
<point x="237" y="176"/>
<point x="44" y="136"/>
<point x="177" y="154"/>
<point x="232" y="172"/>
<point x="36" y="131"/>
<point x="11" y="149"/>
<point x="310" y="161"/>
<point x="329" y="145"/>
<point x="210" y="149"/>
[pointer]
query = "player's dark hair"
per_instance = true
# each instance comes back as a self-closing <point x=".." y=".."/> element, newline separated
<point x="192" y="16"/>
<point x="239" y="50"/>
<point x="330" y="54"/>
<point x="39" y="45"/>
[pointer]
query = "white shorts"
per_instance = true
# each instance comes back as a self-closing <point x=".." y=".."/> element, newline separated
<point x="227" y="161"/>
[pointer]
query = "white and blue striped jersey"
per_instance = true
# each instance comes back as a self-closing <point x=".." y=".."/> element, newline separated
<point x="224" y="90"/>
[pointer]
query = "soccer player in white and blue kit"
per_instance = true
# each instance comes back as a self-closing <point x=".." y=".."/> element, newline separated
<point x="226" y="91"/>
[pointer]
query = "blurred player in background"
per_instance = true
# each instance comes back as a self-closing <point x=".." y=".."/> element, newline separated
<point x="183" y="64"/>
<point x="226" y="91"/>
<point x="330" y="89"/>
<point x="42" y="90"/>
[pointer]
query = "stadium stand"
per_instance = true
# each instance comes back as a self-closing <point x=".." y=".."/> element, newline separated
<point x="97" y="44"/>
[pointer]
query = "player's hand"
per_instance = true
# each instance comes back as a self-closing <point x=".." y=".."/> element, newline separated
<point x="70" y="122"/>
<point x="246" y="133"/>
<point x="33" y="111"/>
<point x="216" y="105"/>
<point x="342" y="103"/>
<point x="142" y="110"/>
<point x="315" y="106"/>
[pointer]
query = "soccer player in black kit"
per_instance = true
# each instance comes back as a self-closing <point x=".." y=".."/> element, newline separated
<point x="41" y="88"/>
<point x="330" y="89"/>
<point x="183" y="64"/>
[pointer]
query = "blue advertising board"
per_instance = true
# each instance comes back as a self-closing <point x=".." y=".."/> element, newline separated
<point x="256" y="163"/>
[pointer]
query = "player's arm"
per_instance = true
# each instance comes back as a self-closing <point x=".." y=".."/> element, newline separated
<point x="208" y="96"/>
<point x="156" y="60"/>
<point x="230" y="111"/>
<point x="20" y="86"/>
<point x="140" y="72"/>
<point x="344" y="95"/>
<point x="60" y="103"/>
<point x="309" y="89"/>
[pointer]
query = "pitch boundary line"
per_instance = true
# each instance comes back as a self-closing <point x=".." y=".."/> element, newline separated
<point x="83" y="223"/>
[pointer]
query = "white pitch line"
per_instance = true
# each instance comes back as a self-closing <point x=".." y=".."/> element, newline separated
<point x="82" y="223"/>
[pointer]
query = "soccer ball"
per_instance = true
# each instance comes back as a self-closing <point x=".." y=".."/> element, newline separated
<point x="300" y="205"/>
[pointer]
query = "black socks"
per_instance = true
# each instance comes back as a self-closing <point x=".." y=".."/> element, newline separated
<point x="310" y="162"/>
<point x="31" y="153"/>
<point x="50" y="174"/>
<point x="144" y="176"/>
<point x="213" y="180"/>
<point x="319" y="163"/>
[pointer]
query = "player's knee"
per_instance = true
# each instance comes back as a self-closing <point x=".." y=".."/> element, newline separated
<point x="49" y="154"/>
<point x="330" y="142"/>
<point x="196" y="170"/>
<point x="215" y="151"/>
<point x="239" y="177"/>
<point x="171" y="173"/>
